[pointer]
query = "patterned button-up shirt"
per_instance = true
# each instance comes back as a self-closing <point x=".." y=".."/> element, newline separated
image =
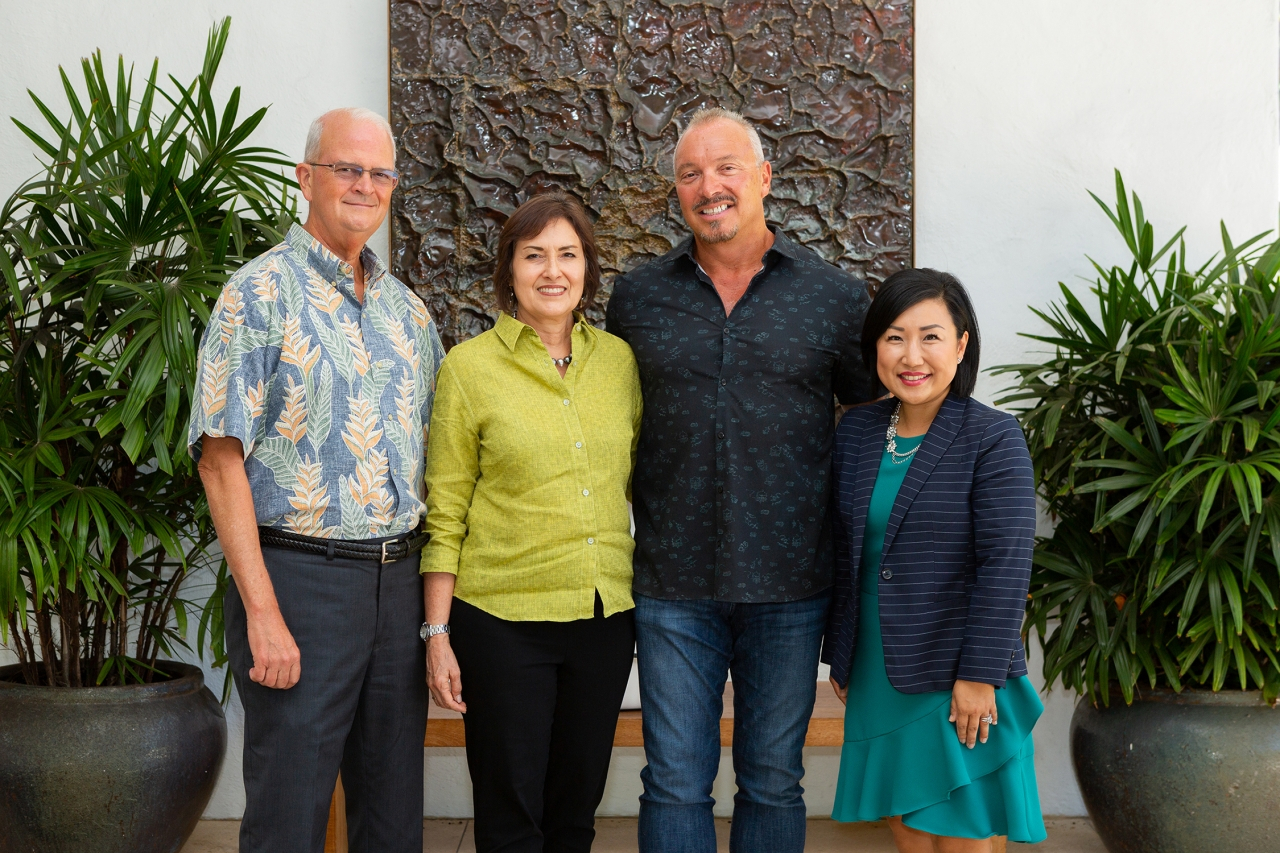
<point x="733" y="471"/>
<point x="330" y="397"/>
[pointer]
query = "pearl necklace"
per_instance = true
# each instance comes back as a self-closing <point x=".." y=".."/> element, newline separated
<point x="891" y="436"/>
<point x="563" y="362"/>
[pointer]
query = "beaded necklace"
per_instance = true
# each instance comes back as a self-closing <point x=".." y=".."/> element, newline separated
<point x="891" y="436"/>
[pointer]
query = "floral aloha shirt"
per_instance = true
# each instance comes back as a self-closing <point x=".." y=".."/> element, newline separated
<point x="330" y="398"/>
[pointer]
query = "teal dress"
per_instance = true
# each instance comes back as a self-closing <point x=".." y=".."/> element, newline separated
<point x="901" y="755"/>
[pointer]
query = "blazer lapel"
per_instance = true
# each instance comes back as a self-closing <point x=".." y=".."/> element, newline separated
<point x="936" y="441"/>
<point x="870" y="447"/>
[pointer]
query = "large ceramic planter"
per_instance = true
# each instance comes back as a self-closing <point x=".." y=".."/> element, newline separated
<point x="107" y="769"/>
<point x="1181" y="773"/>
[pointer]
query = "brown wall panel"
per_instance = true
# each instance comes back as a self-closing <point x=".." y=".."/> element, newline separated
<point x="494" y="101"/>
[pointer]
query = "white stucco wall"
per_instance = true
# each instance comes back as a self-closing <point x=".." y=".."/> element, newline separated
<point x="299" y="57"/>
<point x="1021" y="107"/>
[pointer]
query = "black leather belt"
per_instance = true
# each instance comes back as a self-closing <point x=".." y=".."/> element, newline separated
<point x="380" y="552"/>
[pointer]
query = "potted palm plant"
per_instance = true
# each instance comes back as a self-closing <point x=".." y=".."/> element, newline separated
<point x="1154" y="427"/>
<point x="149" y="197"/>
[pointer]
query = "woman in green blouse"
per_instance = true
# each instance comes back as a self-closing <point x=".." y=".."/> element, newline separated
<point x="528" y="571"/>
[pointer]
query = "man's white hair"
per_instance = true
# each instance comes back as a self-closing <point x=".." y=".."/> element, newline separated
<point x="312" y="152"/>
<point x="707" y="114"/>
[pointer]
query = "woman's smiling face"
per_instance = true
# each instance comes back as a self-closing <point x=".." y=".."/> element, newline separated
<point x="548" y="273"/>
<point x="917" y="355"/>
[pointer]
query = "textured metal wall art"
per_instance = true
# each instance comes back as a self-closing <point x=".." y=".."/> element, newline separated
<point x="494" y="101"/>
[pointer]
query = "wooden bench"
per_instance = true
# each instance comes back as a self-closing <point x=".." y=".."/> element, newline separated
<point x="826" y="727"/>
<point x="444" y="728"/>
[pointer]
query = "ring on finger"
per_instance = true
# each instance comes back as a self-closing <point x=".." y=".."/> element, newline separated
<point x="990" y="720"/>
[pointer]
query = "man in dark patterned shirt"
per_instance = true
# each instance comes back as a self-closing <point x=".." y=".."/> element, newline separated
<point x="744" y="340"/>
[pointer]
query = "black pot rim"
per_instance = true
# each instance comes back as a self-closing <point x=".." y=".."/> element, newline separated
<point x="1188" y="696"/>
<point x="185" y="679"/>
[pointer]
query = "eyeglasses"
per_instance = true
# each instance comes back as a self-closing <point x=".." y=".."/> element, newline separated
<point x="350" y="173"/>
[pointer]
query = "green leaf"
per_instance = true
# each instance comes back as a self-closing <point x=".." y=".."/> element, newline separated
<point x="1210" y="492"/>
<point x="1252" y="429"/>
<point x="48" y="457"/>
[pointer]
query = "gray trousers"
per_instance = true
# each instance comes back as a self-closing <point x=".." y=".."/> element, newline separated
<point x="360" y="704"/>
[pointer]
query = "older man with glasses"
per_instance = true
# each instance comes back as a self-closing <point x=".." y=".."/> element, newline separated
<point x="316" y="377"/>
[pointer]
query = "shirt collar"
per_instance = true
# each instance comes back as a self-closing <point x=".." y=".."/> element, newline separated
<point x="509" y="328"/>
<point x="782" y="244"/>
<point x="332" y="268"/>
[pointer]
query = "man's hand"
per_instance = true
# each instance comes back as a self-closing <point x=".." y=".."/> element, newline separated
<point x="443" y="676"/>
<point x="973" y="709"/>
<point x="842" y="693"/>
<point x="277" y="663"/>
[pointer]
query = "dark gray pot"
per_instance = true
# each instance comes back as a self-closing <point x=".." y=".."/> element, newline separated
<point x="107" y="769"/>
<point x="1180" y="773"/>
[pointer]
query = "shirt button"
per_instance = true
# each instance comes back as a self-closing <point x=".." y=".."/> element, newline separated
<point x="566" y="402"/>
<point x="724" y="382"/>
<point x="720" y="434"/>
<point x="577" y="444"/>
<point x="887" y="574"/>
<point x="591" y="540"/>
<point x="586" y="492"/>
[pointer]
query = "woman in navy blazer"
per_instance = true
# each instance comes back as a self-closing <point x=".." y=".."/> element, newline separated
<point x="934" y="527"/>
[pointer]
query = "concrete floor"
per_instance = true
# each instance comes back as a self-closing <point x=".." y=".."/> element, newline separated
<point x="616" y="835"/>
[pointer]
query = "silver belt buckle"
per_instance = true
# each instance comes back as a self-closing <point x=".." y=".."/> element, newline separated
<point x="384" y="552"/>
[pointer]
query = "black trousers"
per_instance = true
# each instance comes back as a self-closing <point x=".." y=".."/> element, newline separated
<point x="542" y="707"/>
<point x="360" y="704"/>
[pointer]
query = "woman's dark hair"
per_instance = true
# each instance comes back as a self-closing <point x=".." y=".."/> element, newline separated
<point x="526" y="223"/>
<point x="905" y="288"/>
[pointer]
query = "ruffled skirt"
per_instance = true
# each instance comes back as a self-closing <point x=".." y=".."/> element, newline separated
<point x="901" y="755"/>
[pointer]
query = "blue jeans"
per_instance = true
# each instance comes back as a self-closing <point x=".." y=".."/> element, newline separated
<point x="685" y="650"/>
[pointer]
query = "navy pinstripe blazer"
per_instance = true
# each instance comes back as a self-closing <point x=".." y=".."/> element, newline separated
<point x="957" y="549"/>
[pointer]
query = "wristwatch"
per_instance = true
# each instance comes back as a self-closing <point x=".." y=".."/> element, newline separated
<point x="429" y="631"/>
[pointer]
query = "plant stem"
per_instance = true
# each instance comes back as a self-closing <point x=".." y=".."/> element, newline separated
<point x="26" y="652"/>
<point x="69" y="633"/>
<point x="170" y="593"/>
<point x="144" y="635"/>
<point x="49" y="653"/>
<point x="97" y="649"/>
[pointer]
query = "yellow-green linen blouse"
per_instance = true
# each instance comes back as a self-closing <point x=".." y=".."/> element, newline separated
<point x="528" y="474"/>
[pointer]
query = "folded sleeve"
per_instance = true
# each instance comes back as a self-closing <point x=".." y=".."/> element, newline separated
<point x="453" y="468"/>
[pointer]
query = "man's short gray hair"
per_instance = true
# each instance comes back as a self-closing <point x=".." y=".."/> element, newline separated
<point x="707" y="114"/>
<point x="312" y="151"/>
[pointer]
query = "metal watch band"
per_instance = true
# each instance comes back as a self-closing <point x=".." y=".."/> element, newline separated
<point x="428" y="631"/>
